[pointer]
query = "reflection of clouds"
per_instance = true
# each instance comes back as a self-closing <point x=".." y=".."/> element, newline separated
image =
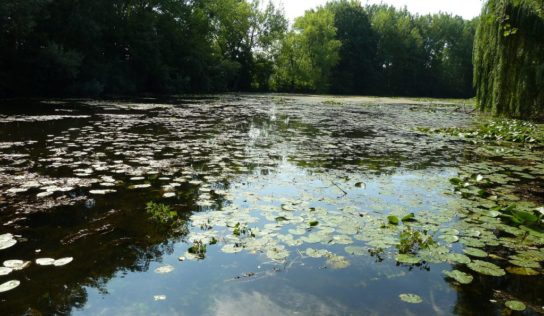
<point x="287" y="303"/>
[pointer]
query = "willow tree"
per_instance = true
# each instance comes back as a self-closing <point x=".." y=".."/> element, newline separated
<point x="509" y="58"/>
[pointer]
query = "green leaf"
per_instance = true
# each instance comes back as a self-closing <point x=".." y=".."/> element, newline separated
<point x="459" y="276"/>
<point x="409" y="218"/>
<point x="393" y="220"/>
<point x="515" y="305"/>
<point x="411" y="298"/>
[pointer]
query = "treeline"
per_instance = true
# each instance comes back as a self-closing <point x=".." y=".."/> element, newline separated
<point x="97" y="47"/>
<point x="350" y="49"/>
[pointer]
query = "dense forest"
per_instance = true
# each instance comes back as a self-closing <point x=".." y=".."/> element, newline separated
<point x="99" y="47"/>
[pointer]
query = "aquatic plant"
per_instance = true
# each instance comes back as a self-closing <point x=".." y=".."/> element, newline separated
<point x="503" y="130"/>
<point x="161" y="212"/>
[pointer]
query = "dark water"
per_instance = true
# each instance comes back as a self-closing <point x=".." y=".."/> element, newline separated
<point x="259" y="180"/>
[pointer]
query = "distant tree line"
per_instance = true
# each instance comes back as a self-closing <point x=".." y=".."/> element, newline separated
<point x="101" y="47"/>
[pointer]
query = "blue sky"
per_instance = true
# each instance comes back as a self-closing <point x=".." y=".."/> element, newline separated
<point x="465" y="8"/>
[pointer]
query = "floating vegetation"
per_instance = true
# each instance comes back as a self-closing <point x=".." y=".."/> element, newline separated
<point x="197" y="250"/>
<point x="515" y="305"/>
<point x="164" y="269"/>
<point x="497" y="130"/>
<point x="8" y="286"/>
<point x="486" y="268"/>
<point x="7" y="241"/>
<point x="161" y="212"/>
<point x="345" y="187"/>
<point x="62" y="262"/>
<point x="459" y="276"/>
<point x="45" y="261"/>
<point x="16" y="264"/>
<point x="411" y="298"/>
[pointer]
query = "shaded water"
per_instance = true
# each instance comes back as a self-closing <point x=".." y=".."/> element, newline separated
<point x="290" y="195"/>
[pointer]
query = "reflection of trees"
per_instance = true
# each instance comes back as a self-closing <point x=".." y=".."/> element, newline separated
<point x="486" y="295"/>
<point x="103" y="244"/>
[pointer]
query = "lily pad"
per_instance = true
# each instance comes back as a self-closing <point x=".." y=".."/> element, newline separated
<point x="62" y="261"/>
<point x="8" y="286"/>
<point x="487" y="268"/>
<point x="5" y="270"/>
<point x="515" y="305"/>
<point x="459" y="276"/>
<point x="522" y="271"/>
<point x="164" y="269"/>
<point x="393" y="220"/>
<point x="411" y="298"/>
<point x="337" y="262"/>
<point x="356" y="251"/>
<point x="45" y="261"/>
<point x="7" y="241"/>
<point x="16" y="264"/>
<point x="316" y="253"/>
<point x="407" y="259"/>
<point x="230" y="248"/>
<point x="475" y="252"/>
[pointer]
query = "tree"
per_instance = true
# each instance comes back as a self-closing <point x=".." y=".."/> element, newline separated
<point x="509" y="58"/>
<point x="356" y="71"/>
<point x="309" y="53"/>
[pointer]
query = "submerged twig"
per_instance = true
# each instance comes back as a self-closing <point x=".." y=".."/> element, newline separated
<point x="345" y="193"/>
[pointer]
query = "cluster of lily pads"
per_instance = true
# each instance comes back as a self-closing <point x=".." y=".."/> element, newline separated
<point x="8" y="240"/>
<point x="284" y="180"/>
<point x="503" y="130"/>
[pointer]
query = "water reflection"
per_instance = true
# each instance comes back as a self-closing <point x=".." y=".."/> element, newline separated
<point x="248" y="158"/>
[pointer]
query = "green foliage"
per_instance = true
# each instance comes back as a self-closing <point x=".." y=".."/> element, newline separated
<point x="411" y="241"/>
<point x="509" y="58"/>
<point x="198" y="249"/>
<point x="161" y="213"/>
<point x="309" y="53"/>
<point x="104" y="47"/>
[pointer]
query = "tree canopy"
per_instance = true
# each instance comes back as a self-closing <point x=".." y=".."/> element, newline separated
<point x="120" y="47"/>
<point x="509" y="58"/>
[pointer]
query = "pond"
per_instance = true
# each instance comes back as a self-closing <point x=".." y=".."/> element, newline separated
<point x="262" y="204"/>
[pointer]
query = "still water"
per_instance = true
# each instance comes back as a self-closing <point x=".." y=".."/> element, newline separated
<point x="285" y="198"/>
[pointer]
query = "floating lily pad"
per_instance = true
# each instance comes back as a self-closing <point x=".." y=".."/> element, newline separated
<point x="459" y="276"/>
<point x="487" y="268"/>
<point x="62" y="261"/>
<point x="458" y="257"/>
<point x="356" y="251"/>
<point x="7" y="241"/>
<point x="393" y="220"/>
<point x="522" y="271"/>
<point x="16" y="264"/>
<point x="475" y="252"/>
<point x="8" y="286"/>
<point x="515" y="305"/>
<point x="164" y="269"/>
<point x="337" y="262"/>
<point x="316" y="253"/>
<point x="411" y="298"/>
<point x="407" y="259"/>
<point x="230" y="248"/>
<point x="5" y="270"/>
<point x="521" y="262"/>
<point x="45" y="261"/>
<point x="450" y="238"/>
